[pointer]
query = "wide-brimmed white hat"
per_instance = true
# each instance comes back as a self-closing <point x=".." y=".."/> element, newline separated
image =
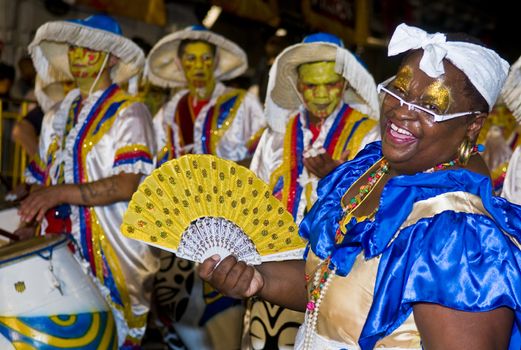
<point x="50" y="45"/>
<point x="282" y="91"/>
<point x="163" y="67"/>
<point x="49" y="93"/>
<point x="511" y="93"/>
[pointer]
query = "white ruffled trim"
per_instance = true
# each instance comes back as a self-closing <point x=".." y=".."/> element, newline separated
<point x="68" y="168"/>
<point x="511" y="93"/>
<point x="170" y="109"/>
<point x="139" y="167"/>
<point x="60" y="119"/>
<point x="50" y="45"/>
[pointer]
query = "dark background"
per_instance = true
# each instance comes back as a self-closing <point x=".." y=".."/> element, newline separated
<point x="496" y="23"/>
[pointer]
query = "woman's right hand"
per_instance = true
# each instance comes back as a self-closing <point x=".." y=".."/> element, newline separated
<point x="232" y="278"/>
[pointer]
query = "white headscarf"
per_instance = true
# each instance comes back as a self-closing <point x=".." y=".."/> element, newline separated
<point x="484" y="68"/>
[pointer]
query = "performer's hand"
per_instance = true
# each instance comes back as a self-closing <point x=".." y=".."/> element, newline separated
<point x="25" y="231"/>
<point x="232" y="278"/>
<point x="323" y="164"/>
<point x="34" y="206"/>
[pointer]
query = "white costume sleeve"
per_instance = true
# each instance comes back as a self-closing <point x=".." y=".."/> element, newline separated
<point x="159" y="129"/>
<point x="247" y="125"/>
<point x="134" y="141"/>
<point x="512" y="184"/>
<point x="268" y="155"/>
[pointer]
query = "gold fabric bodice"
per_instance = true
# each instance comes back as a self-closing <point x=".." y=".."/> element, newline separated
<point x="345" y="307"/>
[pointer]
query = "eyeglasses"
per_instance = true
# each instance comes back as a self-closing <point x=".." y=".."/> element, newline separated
<point x="414" y="107"/>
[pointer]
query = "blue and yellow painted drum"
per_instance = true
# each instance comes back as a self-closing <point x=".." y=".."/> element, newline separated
<point x="48" y="302"/>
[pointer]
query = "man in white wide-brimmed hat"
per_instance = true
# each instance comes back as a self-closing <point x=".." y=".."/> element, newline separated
<point x="511" y="95"/>
<point x="96" y="145"/>
<point x="322" y="108"/>
<point x="204" y="117"/>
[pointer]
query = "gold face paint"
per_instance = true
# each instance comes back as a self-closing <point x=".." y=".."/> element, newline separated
<point x="85" y="63"/>
<point x="198" y="65"/>
<point x="321" y="87"/>
<point x="437" y="97"/>
<point x="403" y="79"/>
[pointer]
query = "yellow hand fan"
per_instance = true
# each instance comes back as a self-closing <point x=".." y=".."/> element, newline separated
<point x="200" y="205"/>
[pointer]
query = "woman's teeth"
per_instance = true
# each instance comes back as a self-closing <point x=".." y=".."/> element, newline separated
<point x="400" y="130"/>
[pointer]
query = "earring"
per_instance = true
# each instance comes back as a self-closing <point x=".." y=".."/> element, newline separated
<point x="465" y="151"/>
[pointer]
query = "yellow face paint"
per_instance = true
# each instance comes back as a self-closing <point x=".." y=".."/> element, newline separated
<point x="437" y="97"/>
<point x="85" y="63"/>
<point x="321" y="87"/>
<point x="67" y="86"/>
<point x="198" y="62"/>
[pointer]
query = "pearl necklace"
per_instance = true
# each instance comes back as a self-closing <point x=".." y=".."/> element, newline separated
<point x="321" y="281"/>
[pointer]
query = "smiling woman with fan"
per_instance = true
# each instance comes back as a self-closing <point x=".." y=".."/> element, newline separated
<point x="407" y="246"/>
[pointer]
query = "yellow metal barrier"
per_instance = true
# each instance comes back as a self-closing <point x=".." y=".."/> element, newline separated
<point x="1" y="130"/>
<point x="20" y="157"/>
<point x="11" y="153"/>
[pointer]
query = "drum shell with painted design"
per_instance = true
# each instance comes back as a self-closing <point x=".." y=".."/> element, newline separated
<point x="28" y="294"/>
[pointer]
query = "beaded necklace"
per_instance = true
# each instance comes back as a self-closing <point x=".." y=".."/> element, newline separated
<point x="441" y="166"/>
<point x="323" y="275"/>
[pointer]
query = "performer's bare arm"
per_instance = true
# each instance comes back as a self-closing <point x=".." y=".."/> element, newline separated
<point x="102" y="192"/>
<point x="106" y="191"/>
<point x="281" y="283"/>
<point x="442" y="328"/>
<point x="25" y="134"/>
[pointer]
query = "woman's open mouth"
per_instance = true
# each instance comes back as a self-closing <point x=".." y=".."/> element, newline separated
<point x="398" y="134"/>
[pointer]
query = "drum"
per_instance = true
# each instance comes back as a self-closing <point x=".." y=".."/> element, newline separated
<point x="47" y="301"/>
<point x="9" y="221"/>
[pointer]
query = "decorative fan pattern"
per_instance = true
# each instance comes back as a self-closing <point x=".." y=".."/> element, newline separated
<point x="200" y="205"/>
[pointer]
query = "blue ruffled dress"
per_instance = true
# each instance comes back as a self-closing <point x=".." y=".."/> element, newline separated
<point x="439" y="238"/>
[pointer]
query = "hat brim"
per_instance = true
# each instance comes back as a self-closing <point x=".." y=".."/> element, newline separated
<point x="361" y="87"/>
<point x="49" y="50"/>
<point x="164" y="69"/>
<point x="284" y="92"/>
<point x="49" y="93"/>
<point x="511" y="93"/>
